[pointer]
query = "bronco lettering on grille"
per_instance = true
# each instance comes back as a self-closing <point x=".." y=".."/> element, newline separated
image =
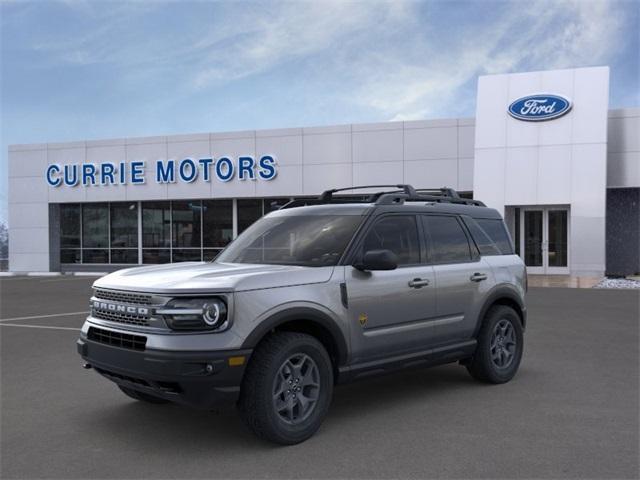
<point x="115" y="307"/>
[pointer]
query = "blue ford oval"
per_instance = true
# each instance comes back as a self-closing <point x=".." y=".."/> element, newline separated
<point x="536" y="108"/>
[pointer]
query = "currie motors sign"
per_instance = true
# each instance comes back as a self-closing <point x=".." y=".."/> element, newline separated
<point x="188" y="170"/>
<point x="540" y="107"/>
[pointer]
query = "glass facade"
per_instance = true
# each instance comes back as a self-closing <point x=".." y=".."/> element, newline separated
<point x="155" y="231"/>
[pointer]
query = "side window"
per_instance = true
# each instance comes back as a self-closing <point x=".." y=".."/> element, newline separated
<point x="447" y="240"/>
<point x="497" y="232"/>
<point x="398" y="233"/>
<point x="483" y="241"/>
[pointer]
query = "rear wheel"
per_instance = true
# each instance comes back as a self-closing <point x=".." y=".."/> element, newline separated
<point x="500" y="346"/>
<point x="287" y="388"/>
<point x="141" y="396"/>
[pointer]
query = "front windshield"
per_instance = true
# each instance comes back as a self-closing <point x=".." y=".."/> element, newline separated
<point x="305" y="240"/>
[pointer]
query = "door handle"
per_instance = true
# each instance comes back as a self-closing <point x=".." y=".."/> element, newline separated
<point x="418" y="283"/>
<point x="478" y="277"/>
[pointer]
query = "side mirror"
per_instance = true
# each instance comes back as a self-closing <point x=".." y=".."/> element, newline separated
<point x="378" y="260"/>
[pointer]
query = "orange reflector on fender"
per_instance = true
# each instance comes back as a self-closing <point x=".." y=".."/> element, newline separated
<point x="236" y="361"/>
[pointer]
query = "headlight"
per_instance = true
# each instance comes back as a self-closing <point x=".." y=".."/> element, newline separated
<point x="195" y="314"/>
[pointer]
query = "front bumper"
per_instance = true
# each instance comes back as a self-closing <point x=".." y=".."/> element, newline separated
<point x="197" y="379"/>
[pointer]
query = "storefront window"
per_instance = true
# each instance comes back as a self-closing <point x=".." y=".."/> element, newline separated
<point x="95" y="255"/>
<point x="156" y="255"/>
<point x="249" y="210"/>
<point x="95" y="225"/>
<point x="70" y="255"/>
<point x="217" y="224"/>
<point x="70" y="233"/>
<point x="186" y="224"/>
<point x="127" y="255"/>
<point x="70" y="226"/>
<point x="156" y="224"/>
<point x="124" y="225"/>
<point x="209" y="254"/>
<point x="172" y="231"/>
<point x="186" y="255"/>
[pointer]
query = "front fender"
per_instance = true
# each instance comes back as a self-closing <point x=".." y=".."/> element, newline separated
<point x="293" y="312"/>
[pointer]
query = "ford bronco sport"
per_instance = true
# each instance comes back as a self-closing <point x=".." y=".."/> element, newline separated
<point x="315" y="294"/>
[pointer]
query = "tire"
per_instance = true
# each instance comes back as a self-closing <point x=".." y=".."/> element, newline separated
<point x="498" y="362"/>
<point x="141" y="396"/>
<point x="285" y="368"/>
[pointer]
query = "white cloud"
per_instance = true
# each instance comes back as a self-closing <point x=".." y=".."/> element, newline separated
<point x="290" y="31"/>
<point x="539" y="35"/>
<point x="391" y="57"/>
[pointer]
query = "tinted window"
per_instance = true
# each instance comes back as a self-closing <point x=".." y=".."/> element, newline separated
<point x="249" y="210"/>
<point x="95" y="227"/>
<point x="218" y="223"/>
<point x="69" y="226"/>
<point x="447" y="240"/>
<point x="156" y="224"/>
<point x="496" y="231"/>
<point x="185" y="221"/>
<point x="398" y="234"/>
<point x="124" y="225"/>
<point x="482" y="240"/>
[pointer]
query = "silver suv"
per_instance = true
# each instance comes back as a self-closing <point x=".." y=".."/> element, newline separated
<point x="318" y="293"/>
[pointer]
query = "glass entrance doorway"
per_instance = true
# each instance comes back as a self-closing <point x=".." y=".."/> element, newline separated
<point x="542" y="237"/>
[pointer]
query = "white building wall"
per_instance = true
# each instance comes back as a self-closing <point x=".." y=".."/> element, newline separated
<point x="28" y="209"/>
<point x="561" y="161"/>
<point x="433" y="153"/>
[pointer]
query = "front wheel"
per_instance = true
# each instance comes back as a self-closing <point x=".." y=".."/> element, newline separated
<point x="287" y="388"/>
<point x="500" y="346"/>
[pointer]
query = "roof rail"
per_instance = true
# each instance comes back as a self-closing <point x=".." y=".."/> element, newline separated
<point x="327" y="195"/>
<point x="403" y="194"/>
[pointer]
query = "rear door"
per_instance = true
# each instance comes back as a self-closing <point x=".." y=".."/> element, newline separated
<point x="462" y="278"/>
<point x="390" y="311"/>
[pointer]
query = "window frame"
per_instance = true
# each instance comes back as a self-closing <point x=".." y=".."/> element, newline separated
<point x="474" y="254"/>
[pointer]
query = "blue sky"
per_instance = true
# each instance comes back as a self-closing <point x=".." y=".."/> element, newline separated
<point x="75" y="70"/>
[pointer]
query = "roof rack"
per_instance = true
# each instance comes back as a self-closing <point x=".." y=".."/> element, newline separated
<point x="403" y="193"/>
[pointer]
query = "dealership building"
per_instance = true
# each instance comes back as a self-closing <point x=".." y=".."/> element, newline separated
<point x="544" y="149"/>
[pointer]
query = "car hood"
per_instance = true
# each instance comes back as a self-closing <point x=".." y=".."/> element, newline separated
<point x="199" y="277"/>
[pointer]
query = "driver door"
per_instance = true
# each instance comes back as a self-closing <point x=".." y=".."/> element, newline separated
<point x="391" y="311"/>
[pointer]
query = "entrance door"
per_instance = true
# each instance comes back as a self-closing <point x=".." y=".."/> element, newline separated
<point x="544" y="239"/>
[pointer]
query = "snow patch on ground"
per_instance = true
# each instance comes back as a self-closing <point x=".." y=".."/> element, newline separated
<point x="618" y="283"/>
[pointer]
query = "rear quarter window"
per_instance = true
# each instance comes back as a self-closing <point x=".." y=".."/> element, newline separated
<point x="490" y="234"/>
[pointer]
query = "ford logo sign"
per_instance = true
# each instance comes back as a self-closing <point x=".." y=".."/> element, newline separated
<point x="536" y="108"/>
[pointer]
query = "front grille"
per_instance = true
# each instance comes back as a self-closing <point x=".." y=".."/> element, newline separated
<point x="121" y="317"/>
<point x="124" y="297"/>
<point x="117" y="339"/>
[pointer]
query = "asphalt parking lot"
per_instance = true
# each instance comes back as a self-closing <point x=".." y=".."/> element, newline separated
<point x="571" y="412"/>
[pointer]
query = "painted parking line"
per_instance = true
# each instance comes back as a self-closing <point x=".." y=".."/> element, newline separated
<point x="65" y="279"/>
<point x="37" y="317"/>
<point x="38" y="326"/>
